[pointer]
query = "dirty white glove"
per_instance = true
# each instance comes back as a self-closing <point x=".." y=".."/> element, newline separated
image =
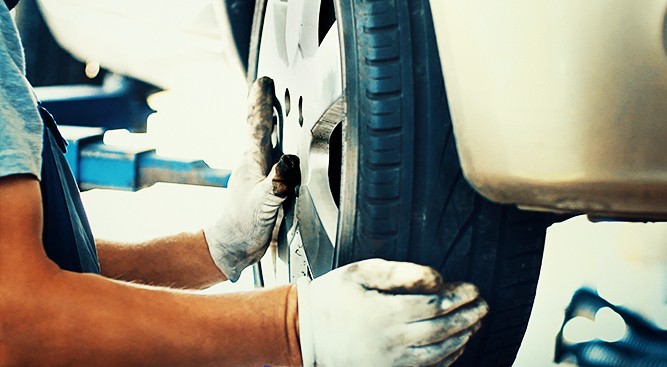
<point x="382" y="313"/>
<point x="241" y="234"/>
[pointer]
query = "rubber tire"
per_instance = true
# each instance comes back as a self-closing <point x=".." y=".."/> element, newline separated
<point x="412" y="201"/>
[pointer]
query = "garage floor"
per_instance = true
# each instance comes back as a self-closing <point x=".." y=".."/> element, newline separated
<point x="626" y="262"/>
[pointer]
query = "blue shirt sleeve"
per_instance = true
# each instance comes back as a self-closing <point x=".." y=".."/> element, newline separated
<point x="20" y="123"/>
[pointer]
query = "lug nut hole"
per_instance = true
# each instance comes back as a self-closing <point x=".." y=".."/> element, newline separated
<point x="287" y="102"/>
<point x="300" y="111"/>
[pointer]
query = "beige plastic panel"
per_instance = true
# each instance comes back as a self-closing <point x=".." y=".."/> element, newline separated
<point x="560" y="105"/>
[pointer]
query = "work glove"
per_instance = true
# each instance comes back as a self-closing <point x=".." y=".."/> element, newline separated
<point x="242" y="233"/>
<point x="382" y="313"/>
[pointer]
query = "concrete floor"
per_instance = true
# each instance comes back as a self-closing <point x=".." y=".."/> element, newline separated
<point x="626" y="262"/>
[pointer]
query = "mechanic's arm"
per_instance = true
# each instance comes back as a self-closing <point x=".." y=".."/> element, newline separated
<point x="54" y="317"/>
<point x="237" y="239"/>
<point x="181" y="261"/>
<point x="239" y="236"/>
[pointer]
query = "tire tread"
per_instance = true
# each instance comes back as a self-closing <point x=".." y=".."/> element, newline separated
<point x="406" y="132"/>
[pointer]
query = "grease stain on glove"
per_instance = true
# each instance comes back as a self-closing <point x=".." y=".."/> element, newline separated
<point x="242" y="233"/>
<point x="386" y="313"/>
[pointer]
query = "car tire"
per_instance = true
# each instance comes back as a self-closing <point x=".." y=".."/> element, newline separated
<point x="403" y="195"/>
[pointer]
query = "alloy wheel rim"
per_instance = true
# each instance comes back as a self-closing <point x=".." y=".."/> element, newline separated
<point x="305" y="65"/>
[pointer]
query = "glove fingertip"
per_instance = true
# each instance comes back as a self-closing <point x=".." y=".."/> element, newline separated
<point x="483" y="308"/>
<point x="462" y="292"/>
<point x="287" y="175"/>
<point x="233" y="277"/>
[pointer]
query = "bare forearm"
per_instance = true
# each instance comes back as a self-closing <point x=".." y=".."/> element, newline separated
<point x="50" y="317"/>
<point x="181" y="261"/>
<point x="89" y="320"/>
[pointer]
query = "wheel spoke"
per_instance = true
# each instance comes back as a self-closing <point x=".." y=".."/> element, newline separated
<point x="301" y="28"/>
<point x="317" y="211"/>
<point x="327" y="75"/>
<point x="316" y="79"/>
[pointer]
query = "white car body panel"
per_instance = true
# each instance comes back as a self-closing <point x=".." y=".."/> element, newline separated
<point x="560" y="105"/>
